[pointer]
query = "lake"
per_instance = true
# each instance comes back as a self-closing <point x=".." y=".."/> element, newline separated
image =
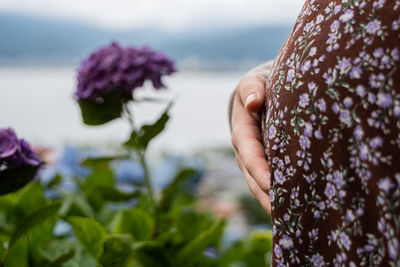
<point x="37" y="102"/>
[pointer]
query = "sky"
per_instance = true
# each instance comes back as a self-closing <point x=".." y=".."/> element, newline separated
<point x="170" y="14"/>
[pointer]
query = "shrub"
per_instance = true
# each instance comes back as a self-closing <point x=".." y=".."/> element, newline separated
<point x="87" y="218"/>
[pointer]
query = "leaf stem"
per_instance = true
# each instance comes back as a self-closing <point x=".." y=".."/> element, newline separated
<point x="142" y="156"/>
<point x="147" y="180"/>
<point x="128" y="115"/>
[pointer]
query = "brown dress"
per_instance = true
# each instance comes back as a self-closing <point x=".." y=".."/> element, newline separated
<point x="331" y="132"/>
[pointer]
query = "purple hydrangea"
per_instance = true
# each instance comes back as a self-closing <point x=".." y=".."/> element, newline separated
<point x="8" y="143"/>
<point x="120" y="69"/>
<point x="16" y="152"/>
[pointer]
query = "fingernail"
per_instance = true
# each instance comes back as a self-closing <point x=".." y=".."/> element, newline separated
<point x="250" y="98"/>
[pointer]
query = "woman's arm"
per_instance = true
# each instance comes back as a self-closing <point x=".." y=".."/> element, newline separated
<point x="244" y="119"/>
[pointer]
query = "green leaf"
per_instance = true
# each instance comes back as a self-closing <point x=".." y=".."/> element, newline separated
<point x="10" y="215"/>
<point x="34" y="219"/>
<point x="261" y="240"/>
<point x="134" y="141"/>
<point x="191" y="223"/>
<point x="257" y="248"/>
<point x="3" y="247"/>
<point x="32" y="198"/>
<point x="90" y="234"/>
<point x="9" y="202"/>
<point x="57" y="179"/>
<point x="151" y="253"/>
<point x="116" y="251"/>
<point x="196" y="247"/>
<point x="170" y="192"/>
<point x="84" y="259"/>
<point x="254" y="250"/>
<point x="81" y="205"/>
<point x="235" y="253"/>
<point x="255" y="214"/>
<point x="39" y="235"/>
<point x="76" y="205"/>
<point x="114" y="195"/>
<point x="102" y="176"/>
<point x="94" y="162"/>
<point x="62" y="258"/>
<point x="97" y="114"/>
<point x="13" y="179"/>
<point x="141" y="139"/>
<point x="136" y="222"/>
<point x="55" y="248"/>
<point x="18" y="254"/>
<point x="144" y="202"/>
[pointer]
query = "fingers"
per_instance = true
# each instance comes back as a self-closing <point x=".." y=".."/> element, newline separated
<point x="246" y="136"/>
<point x="241" y="116"/>
<point x="254" y="162"/>
<point x="258" y="194"/>
<point x="251" y="152"/>
<point x="250" y="92"/>
<point x="246" y="139"/>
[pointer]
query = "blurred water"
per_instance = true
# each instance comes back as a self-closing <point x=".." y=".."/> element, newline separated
<point x="37" y="101"/>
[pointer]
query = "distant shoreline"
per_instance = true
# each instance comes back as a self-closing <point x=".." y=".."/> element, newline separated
<point x="189" y="64"/>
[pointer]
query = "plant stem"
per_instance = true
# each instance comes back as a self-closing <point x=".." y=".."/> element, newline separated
<point x="147" y="179"/>
<point x="142" y="155"/>
<point x="128" y="116"/>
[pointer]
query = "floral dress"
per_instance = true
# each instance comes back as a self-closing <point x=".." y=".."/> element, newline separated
<point x="331" y="132"/>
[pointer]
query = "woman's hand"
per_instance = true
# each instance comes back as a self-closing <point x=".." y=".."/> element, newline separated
<point x="246" y="133"/>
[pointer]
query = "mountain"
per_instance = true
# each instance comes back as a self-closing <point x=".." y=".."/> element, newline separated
<point x="33" y="39"/>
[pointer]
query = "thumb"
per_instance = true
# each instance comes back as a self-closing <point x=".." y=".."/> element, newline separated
<point x="251" y="93"/>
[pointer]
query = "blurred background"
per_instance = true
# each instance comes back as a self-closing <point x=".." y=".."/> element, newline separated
<point x="214" y="42"/>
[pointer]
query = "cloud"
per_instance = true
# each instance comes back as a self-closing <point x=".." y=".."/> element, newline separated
<point x="174" y="14"/>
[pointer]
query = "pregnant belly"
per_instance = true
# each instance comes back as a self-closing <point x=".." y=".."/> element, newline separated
<point x="331" y="132"/>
